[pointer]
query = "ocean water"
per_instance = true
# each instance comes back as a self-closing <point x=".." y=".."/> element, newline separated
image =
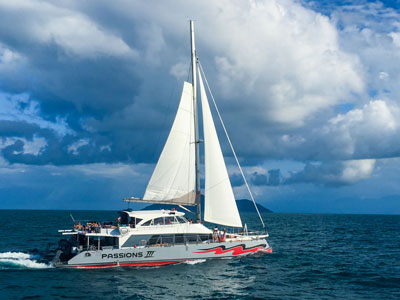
<point x="315" y="256"/>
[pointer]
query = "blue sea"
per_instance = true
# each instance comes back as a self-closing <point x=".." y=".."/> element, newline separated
<point x="315" y="256"/>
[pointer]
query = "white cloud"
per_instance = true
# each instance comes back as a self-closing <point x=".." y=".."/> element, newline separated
<point x="355" y="170"/>
<point x="21" y="107"/>
<point x="74" y="148"/>
<point x="34" y="146"/>
<point x="279" y="70"/>
<point x="370" y="131"/>
<point x="396" y="38"/>
<point x="70" y="29"/>
<point x="284" y="59"/>
<point x="333" y="173"/>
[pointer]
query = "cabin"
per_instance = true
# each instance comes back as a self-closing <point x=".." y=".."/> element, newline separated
<point x="138" y="229"/>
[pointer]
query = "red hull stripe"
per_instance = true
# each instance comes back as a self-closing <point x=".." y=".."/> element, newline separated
<point x="141" y="264"/>
<point x="235" y="251"/>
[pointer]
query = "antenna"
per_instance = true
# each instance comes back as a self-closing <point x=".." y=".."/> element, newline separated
<point x="72" y="217"/>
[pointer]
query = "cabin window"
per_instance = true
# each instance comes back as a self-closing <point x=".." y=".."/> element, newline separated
<point x="105" y="241"/>
<point x="181" y="219"/>
<point x="134" y="221"/>
<point x="167" y="239"/>
<point x="137" y="240"/>
<point x="159" y="221"/>
<point x="147" y="223"/>
<point x="164" y="221"/>
<point x="108" y="241"/>
<point x="154" y="239"/>
<point x="124" y="218"/>
<point x="205" y="237"/>
<point x="190" y="238"/>
<point x="179" y="239"/>
<point x="169" y="220"/>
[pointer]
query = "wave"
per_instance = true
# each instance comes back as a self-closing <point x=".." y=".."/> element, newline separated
<point x="194" y="261"/>
<point x="13" y="260"/>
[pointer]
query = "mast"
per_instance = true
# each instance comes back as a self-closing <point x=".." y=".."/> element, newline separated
<point x="196" y="122"/>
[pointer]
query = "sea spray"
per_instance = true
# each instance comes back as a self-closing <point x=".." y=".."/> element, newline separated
<point x="195" y="261"/>
<point x="10" y="260"/>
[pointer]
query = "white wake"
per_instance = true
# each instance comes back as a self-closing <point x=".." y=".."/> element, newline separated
<point x="21" y="260"/>
<point x="194" y="261"/>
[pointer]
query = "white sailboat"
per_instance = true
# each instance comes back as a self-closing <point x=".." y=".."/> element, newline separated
<point x="160" y="237"/>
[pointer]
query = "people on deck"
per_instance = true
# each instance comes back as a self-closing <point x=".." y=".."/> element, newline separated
<point x="222" y="236"/>
<point x="215" y="234"/>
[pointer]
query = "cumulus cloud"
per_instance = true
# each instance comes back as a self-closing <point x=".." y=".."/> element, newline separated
<point x="334" y="173"/>
<point x="368" y="132"/>
<point x="45" y="23"/>
<point x="99" y="83"/>
<point x="303" y="72"/>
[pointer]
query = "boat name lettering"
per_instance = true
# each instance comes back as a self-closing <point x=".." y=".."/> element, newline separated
<point x="123" y="255"/>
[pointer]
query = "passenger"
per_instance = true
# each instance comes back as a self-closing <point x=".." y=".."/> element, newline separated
<point x="119" y="222"/>
<point x="132" y="223"/>
<point x="215" y="234"/>
<point x="78" y="226"/>
<point x="223" y="236"/>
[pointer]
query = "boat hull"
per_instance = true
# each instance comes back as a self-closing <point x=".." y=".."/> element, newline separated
<point x="164" y="255"/>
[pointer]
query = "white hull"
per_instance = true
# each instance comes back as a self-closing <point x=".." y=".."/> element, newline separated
<point x="164" y="255"/>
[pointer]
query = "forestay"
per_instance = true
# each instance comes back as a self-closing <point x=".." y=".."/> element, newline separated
<point x="173" y="179"/>
<point x="219" y="201"/>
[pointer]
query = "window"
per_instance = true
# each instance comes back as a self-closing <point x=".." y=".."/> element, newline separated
<point x="170" y="220"/>
<point x="154" y="239"/>
<point x="190" y="238"/>
<point x="167" y="239"/>
<point x="137" y="240"/>
<point x="159" y="221"/>
<point x="134" y="221"/>
<point x="147" y="223"/>
<point x="181" y="220"/>
<point x="205" y="237"/>
<point x="179" y="239"/>
<point x="124" y="218"/>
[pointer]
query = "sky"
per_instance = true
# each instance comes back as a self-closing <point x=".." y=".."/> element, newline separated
<point x="309" y="92"/>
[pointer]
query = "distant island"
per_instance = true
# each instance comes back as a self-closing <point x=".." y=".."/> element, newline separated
<point x="244" y="206"/>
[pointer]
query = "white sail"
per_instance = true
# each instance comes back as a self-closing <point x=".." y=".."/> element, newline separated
<point x="173" y="179"/>
<point x="219" y="202"/>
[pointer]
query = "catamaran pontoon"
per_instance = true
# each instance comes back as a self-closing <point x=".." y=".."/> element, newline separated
<point x="161" y="237"/>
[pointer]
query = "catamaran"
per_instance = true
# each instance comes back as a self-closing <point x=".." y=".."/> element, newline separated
<point x="162" y="237"/>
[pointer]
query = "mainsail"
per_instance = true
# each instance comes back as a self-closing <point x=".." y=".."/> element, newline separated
<point x="219" y="202"/>
<point x="173" y="179"/>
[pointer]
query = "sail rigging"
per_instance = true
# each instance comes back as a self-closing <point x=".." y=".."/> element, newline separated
<point x="176" y="177"/>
